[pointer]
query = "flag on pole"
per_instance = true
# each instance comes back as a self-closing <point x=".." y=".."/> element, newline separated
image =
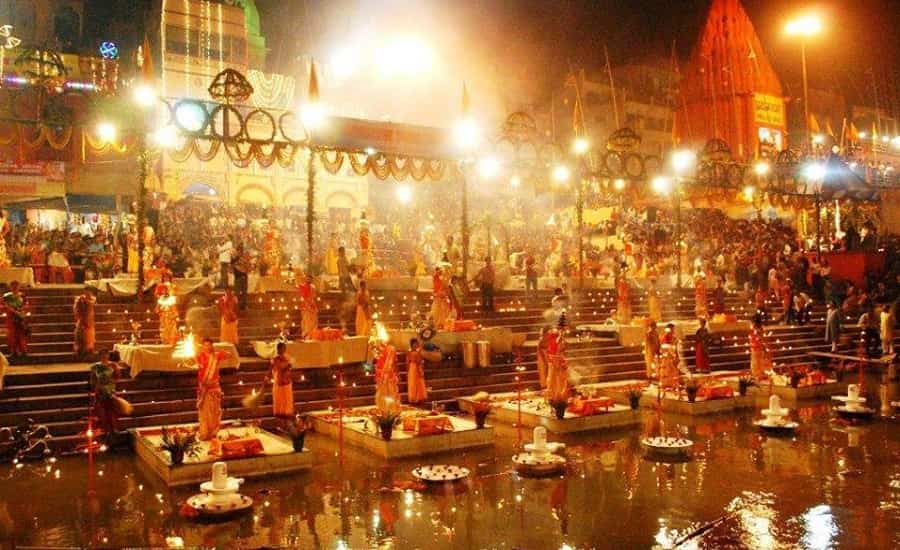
<point x="854" y="133"/>
<point x="813" y="124"/>
<point x="313" y="93"/>
<point x="828" y="129"/>
<point x="146" y="60"/>
<point x="874" y="132"/>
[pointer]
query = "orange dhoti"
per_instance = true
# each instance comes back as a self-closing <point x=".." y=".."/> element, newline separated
<point x="759" y="363"/>
<point x="558" y="378"/>
<point x="440" y="310"/>
<point x="228" y="332"/>
<point x="363" y="322"/>
<point x="542" y="368"/>
<point x="309" y="322"/>
<point x="168" y="326"/>
<point x="415" y="382"/>
<point x="668" y="370"/>
<point x="209" y="410"/>
<point x="85" y="337"/>
<point x="283" y="400"/>
<point x="651" y="360"/>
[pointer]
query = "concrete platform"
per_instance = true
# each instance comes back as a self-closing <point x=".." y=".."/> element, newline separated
<point x="672" y="403"/>
<point x="814" y="391"/>
<point x="536" y="415"/>
<point x="279" y="457"/>
<point x="360" y="431"/>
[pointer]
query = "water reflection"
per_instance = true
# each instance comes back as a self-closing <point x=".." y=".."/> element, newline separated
<point x="831" y="484"/>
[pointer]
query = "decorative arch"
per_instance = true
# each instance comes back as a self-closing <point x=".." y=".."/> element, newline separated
<point x="341" y="199"/>
<point x="255" y="193"/>
<point x="202" y="190"/>
<point x="295" y="196"/>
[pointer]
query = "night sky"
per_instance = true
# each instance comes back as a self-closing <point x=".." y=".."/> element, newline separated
<point x="535" y="41"/>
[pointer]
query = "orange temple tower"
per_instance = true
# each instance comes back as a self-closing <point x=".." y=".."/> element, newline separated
<point x="729" y="89"/>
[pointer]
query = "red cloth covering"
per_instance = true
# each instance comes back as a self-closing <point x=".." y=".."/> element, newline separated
<point x="327" y="334"/>
<point x="242" y="448"/>
<point x="815" y="377"/>
<point x="588" y="407"/>
<point x="730" y="318"/>
<point x="427" y="425"/>
<point x="464" y="325"/>
<point x="715" y="391"/>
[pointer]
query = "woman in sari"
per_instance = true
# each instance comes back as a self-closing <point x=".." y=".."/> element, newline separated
<point x="209" y="392"/>
<point x="363" y="311"/>
<point x="415" y="379"/>
<point x="282" y="384"/>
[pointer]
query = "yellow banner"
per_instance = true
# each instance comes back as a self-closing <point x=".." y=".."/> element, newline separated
<point x="768" y="110"/>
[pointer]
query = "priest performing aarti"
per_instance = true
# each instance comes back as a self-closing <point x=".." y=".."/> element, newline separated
<point x="363" y="310"/>
<point x="387" y="383"/>
<point x="669" y="358"/>
<point x="700" y="299"/>
<point x="228" y="317"/>
<point x="366" y="259"/>
<point x="167" y="310"/>
<point x="623" y="300"/>
<point x="415" y="376"/>
<point x="760" y="355"/>
<point x="209" y="390"/>
<point x="85" y="326"/>
<point x="558" y="373"/>
<point x="440" y="298"/>
<point x="272" y="251"/>
<point x="309" y="308"/>
<point x="282" y="384"/>
<point x="651" y="350"/>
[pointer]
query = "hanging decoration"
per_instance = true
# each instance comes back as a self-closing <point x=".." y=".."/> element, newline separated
<point x="230" y="87"/>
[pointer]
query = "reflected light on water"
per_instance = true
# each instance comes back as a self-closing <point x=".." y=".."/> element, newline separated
<point x="820" y="527"/>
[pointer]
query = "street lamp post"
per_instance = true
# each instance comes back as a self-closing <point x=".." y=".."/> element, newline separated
<point x="580" y="147"/>
<point x="805" y="27"/>
<point x="683" y="162"/>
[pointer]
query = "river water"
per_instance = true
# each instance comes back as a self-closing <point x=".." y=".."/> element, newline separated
<point x="832" y="485"/>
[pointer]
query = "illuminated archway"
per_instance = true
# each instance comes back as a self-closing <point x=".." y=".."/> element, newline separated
<point x="256" y="194"/>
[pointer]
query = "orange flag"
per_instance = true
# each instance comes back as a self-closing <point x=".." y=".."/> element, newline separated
<point x="813" y="124"/>
<point x="313" y="93"/>
<point x="828" y="129"/>
<point x="146" y="60"/>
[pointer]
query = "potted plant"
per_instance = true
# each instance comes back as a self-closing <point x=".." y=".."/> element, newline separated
<point x="634" y="398"/>
<point x="559" y="407"/>
<point x="745" y="383"/>
<point x="179" y="443"/>
<point x="386" y="421"/>
<point x="691" y="387"/>
<point x="296" y="429"/>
